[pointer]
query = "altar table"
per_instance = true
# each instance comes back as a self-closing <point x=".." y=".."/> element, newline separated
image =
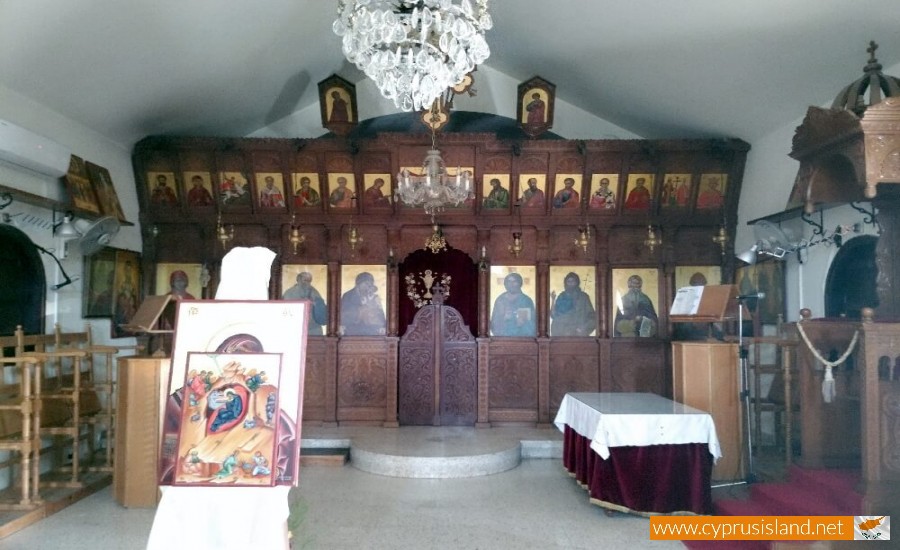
<point x="639" y="452"/>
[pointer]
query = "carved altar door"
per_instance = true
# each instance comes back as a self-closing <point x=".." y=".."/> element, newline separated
<point x="438" y="374"/>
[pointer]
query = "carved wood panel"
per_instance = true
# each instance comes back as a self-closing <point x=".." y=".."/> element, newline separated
<point x="314" y="383"/>
<point x="362" y="379"/>
<point x="639" y="365"/>
<point x="438" y="370"/>
<point x="459" y="386"/>
<point x="416" y="399"/>
<point x="574" y="367"/>
<point x="513" y="381"/>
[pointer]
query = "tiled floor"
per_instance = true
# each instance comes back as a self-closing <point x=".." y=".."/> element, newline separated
<point x="535" y="505"/>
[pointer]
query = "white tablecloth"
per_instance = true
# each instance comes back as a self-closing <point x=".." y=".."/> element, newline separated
<point x="223" y="518"/>
<point x="635" y="419"/>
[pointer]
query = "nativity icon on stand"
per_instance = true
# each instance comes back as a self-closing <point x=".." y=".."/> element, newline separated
<point x="229" y="421"/>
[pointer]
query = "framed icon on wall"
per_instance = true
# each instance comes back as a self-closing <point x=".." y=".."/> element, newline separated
<point x="635" y="302"/>
<point x="163" y="188"/>
<point x="363" y="309"/>
<point x="604" y="192"/>
<point x="639" y="191"/>
<point x="572" y="300"/>
<point x="533" y="192"/>
<point x="308" y="282"/>
<point x="78" y="185"/>
<point x="270" y="190"/>
<point x="199" y="189"/>
<point x="512" y="304"/>
<point x="697" y="275"/>
<point x="307" y="191"/>
<point x="535" y="106"/>
<point x="377" y="192"/>
<point x="337" y="103"/>
<point x="342" y="190"/>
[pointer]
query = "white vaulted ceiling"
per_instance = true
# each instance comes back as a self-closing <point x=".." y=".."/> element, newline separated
<point x="658" y="68"/>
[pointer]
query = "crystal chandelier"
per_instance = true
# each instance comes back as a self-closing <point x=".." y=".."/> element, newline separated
<point x="414" y="49"/>
<point x="434" y="189"/>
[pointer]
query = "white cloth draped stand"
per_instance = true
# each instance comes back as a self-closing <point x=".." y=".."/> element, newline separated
<point x="227" y="518"/>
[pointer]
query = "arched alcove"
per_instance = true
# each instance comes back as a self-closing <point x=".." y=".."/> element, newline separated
<point x="850" y="285"/>
<point x="22" y="283"/>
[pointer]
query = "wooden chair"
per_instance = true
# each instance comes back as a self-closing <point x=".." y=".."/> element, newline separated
<point x="72" y="401"/>
<point x="18" y="430"/>
<point x="102" y="387"/>
<point x="61" y="403"/>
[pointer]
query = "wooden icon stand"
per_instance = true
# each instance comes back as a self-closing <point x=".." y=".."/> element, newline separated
<point x="716" y="303"/>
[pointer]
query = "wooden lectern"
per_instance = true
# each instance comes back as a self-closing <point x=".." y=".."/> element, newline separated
<point x="707" y="375"/>
<point x="146" y="319"/>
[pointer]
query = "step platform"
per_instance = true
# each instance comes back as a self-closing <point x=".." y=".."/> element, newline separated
<point x="433" y="452"/>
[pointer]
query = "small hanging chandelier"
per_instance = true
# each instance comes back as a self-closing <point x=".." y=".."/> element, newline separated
<point x="436" y="242"/>
<point x="584" y="237"/>
<point x="414" y="49"/>
<point x="434" y="189"/>
<point x="653" y="239"/>
<point x="224" y="234"/>
<point x="517" y="245"/>
<point x="354" y="239"/>
<point x="296" y="238"/>
<point x="721" y="238"/>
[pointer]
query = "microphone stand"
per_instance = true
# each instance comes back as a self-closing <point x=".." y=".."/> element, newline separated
<point x="743" y="354"/>
<point x="744" y="395"/>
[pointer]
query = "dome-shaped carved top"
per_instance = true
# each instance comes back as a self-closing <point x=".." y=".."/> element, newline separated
<point x="878" y="86"/>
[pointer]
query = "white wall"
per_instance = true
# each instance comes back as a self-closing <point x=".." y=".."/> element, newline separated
<point x="64" y="306"/>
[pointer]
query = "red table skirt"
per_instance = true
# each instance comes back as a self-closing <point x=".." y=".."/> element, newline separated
<point x="656" y="479"/>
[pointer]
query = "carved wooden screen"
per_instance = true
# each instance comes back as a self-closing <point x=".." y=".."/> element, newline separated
<point x="438" y="371"/>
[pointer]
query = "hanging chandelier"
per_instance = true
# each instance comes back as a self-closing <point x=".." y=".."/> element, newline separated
<point x="414" y="49"/>
<point x="434" y="189"/>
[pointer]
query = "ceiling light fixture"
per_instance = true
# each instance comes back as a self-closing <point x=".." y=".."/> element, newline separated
<point x="436" y="242"/>
<point x="354" y="239"/>
<point x="414" y="49"/>
<point x="721" y="238"/>
<point x="224" y="234"/>
<point x="653" y="239"/>
<point x="434" y="188"/>
<point x="296" y="238"/>
<point x="517" y="245"/>
<point x="584" y="237"/>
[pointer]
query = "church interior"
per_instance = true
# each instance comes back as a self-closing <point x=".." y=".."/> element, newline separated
<point x="473" y="258"/>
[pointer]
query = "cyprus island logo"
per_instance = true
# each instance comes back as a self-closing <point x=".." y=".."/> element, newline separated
<point x="872" y="528"/>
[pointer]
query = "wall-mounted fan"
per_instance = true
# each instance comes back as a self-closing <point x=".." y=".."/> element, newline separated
<point x="95" y="234"/>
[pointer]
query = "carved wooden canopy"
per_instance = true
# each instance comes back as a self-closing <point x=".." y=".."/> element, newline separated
<point x="849" y="149"/>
